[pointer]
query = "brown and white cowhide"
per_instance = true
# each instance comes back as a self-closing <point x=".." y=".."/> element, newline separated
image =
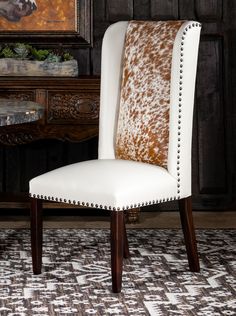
<point x="143" y="123"/>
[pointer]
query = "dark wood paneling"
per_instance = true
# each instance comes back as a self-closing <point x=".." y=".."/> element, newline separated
<point x="81" y="151"/>
<point x="2" y="169"/>
<point x="32" y="162"/>
<point x="119" y="10"/>
<point x="211" y="134"/>
<point x="164" y="9"/>
<point x="195" y="166"/>
<point x="34" y="156"/>
<point x="84" y="61"/>
<point x="230" y="80"/>
<point x="56" y="154"/>
<point x="209" y="10"/>
<point x="96" y="57"/>
<point x="12" y="171"/>
<point x="141" y="10"/>
<point x="99" y="10"/>
<point x="187" y="10"/>
<point x="100" y="25"/>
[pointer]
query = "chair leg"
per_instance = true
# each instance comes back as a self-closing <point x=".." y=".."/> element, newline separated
<point x="126" y="243"/>
<point x="186" y="216"/>
<point x="36" y="234"/>
<point x="117" y="249"/>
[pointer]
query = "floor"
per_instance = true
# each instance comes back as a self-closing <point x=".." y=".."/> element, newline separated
<point x="76" y="279"/>
<point x="147" y="220"/>
<point x="156" y="280"/>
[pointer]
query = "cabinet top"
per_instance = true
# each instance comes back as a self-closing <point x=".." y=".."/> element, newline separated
<point x="43" y="82"/>
<point x="19" y="112"/>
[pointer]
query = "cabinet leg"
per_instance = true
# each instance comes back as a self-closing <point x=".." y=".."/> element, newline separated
<point x="132" y="215"/>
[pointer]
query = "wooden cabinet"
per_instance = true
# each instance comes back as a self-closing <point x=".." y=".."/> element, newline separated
<point x="71" y="108"/>
<point x="71" y="113"/>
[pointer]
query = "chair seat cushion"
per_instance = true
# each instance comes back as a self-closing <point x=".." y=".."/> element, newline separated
<point x="106" y="183"/>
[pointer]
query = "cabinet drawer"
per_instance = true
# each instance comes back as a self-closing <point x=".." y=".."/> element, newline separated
<point x="23" y="95"/>
<point x="73" y="107"/>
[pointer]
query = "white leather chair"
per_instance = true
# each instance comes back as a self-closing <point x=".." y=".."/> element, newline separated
<point x="118" y="184"/>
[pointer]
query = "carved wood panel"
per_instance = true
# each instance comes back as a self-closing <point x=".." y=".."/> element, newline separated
<point x="17" y="136"/>
<point x="72" y="107"/>
<point x="70" y="114"/>
<point x="22" y="95"/>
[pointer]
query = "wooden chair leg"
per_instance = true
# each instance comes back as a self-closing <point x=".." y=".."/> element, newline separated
<point x="126" y="243"/>
<point x="185" y="208"/>
<point x="36" y="234"/>
<point x="117" y="249"/>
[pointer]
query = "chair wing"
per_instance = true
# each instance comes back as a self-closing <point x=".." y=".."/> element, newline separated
<point x="183" y="74"/>
<point x="111" y="72"/>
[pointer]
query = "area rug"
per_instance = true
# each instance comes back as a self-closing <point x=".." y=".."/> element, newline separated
<point x="156" y="281"/>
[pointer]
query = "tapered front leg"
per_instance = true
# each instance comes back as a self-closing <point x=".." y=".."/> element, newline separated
<point x="126" y="243"/>
<point x="36" y="234"/>
<point x="186" y="216"/>
<point x="117" y="249"/>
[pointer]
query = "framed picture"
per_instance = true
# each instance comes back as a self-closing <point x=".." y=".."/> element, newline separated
<point x="52" y="21"/>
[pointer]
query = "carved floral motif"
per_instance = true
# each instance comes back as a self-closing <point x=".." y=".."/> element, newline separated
<point x="18" y="95"/>
<point x="73" y="107"/>
<point x="16" y="138"/>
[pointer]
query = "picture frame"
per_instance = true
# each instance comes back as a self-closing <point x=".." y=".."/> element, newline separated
<point x="50" y="22"/>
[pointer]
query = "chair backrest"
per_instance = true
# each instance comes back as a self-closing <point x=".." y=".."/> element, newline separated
<point x="182" y="86"/>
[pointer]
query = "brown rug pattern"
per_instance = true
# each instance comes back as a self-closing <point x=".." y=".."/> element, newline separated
<point x="156" y="281"/>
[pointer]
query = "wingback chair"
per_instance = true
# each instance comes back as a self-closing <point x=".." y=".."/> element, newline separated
<point x="145" y="131"/>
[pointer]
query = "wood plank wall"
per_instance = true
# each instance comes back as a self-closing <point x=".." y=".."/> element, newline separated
<point x="214" y="123"/>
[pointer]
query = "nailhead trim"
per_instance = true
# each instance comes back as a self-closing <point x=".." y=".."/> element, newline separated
<point x="105" y="207"/>
<point x="180" y="100"/>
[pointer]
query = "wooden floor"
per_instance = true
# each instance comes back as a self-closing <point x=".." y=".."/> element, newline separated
<point x="147" y="220"/>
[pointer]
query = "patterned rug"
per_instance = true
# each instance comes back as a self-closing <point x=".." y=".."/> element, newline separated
<point x="76" y="274"/>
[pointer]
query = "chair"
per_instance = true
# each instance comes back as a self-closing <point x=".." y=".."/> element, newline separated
<point x="142" y="91"/>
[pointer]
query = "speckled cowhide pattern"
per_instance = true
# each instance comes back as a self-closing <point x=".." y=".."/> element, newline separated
<point x="143" y="123"/>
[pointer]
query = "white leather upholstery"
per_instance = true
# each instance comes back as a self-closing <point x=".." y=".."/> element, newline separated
<point x="117" y="184"/>
<point x="189" y="34"/>
<point x="111" y="71"/>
